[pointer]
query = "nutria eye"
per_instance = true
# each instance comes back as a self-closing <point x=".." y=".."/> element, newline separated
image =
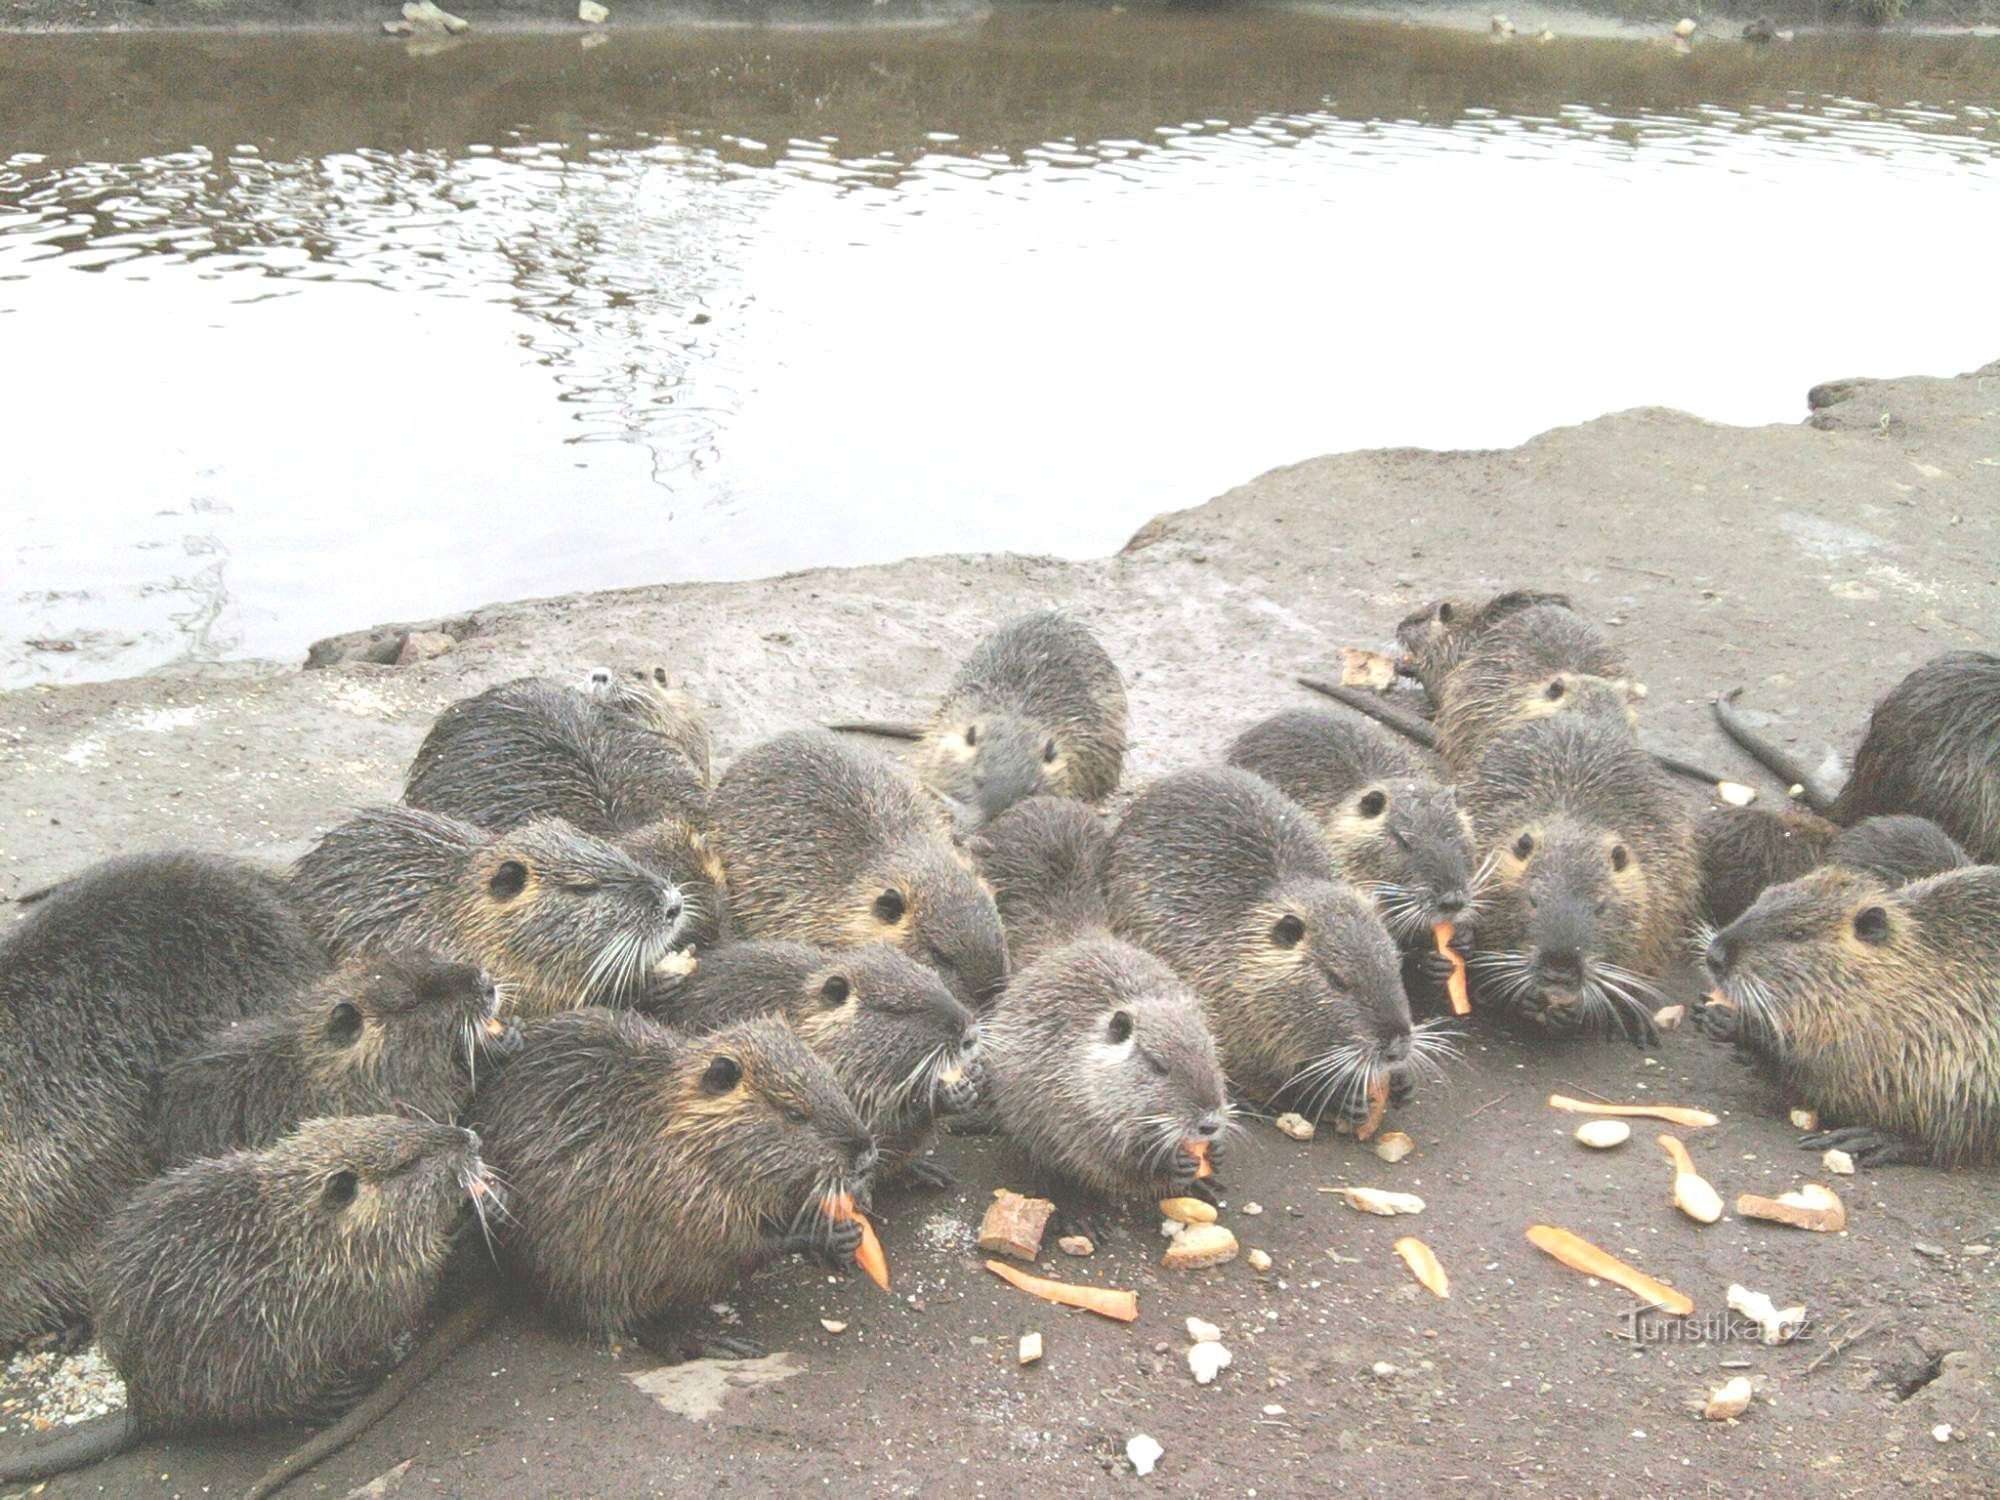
<point x="1620" y="857"/>
<point x="1524" y="846"/>
<point x="794" y="1115"/>
<point x="508" y="881"/>
<point x="1120" y="1029"/>
<point x="723" y="1074"/>
<point x="1444" y="614"/>
<point x="344" y="1025"/>
<point x="1871" y="925"/>
<point x="1049" y="752"/>
<point x="1554" y="691"/>
<point x="339" y="1191"/>
<point x="889" y="907"/>
<point x="1288" y="931"/>
<point x="1373" y="803"/>
<point x="834" y="991"/>
<point x="971" y="735"/>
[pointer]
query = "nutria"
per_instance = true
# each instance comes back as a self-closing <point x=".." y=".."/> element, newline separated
<point x="1594" y="878"/>
<point x="900" y="1043"/>
<point x="646" y="1171"/>
<point x="1101" y="1064"/>
<point x="1044" y="859"/>
<point x="1932" y="748"/>
<point x="1437" y="635"/>
<point x="1037" y="707"/>
<point x="1897" y="848"/>
<point x="684" y="854"/>
<point x="1396" y="828"/>
<point x="1742" y="850"/>
<point x="649" y="701"/>
<point x="110" y="978"/>
<point x="268" y="1285"/>
<point x="399" y="1034"/>
<point x="827" y="844"/>
<point x="556" y="917"/>
<point x="1879" y="1007"/>
<point x="1232" y="884"/>
<point x="533" y="749"/>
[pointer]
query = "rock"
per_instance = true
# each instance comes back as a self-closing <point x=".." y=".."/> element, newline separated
<point x="1812" y="1207"/>
<point x="422" y="645"/>
<point x="1728" y="1403"/>
<point x="1030" y="1350"/>
<point x="1393" y="1146"/>
<point x="1188" y="1210"/>
<point x="1076" y="1244"/>
<point x="1200" y="1245"/>
<point x="591" y="13"/>
<point x="1207" y="1361"/>
<point x="1203" y="1333"/>
<point x="1298" y="1127"/>
<point x="831" y="1326"/>
<point x="1260" y="1260"/>
<point x="1143" y="1451"/>
<point x="1013" y="1225"/>
<point x="1602" y="1135"/>
<point x="1838" y="1162"/>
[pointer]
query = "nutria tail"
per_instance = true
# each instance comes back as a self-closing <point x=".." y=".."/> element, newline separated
<point x="91" y="1443"/>
<point x="1409" y="726"/>
<point x="882" y="727"/>
<point x="1786" y="767"/>
<point x="1685" y="769"/>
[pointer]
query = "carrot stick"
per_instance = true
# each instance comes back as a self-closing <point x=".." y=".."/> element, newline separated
<point x="1199" y="1151"/>
<point x="868" y="1254"/>
<point x="1581" y="1255"/>
<point x="1720" y="1000"/>
<point x="1105" y="1301"/>
<point x="1461" y="999"/>
<point x="1673" y="1114"/>
<point x="1378" y="1106"/>
<point x="1423" y="1264"/>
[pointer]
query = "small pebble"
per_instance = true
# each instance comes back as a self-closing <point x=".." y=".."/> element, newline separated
<point x="1253" y="1209"/>
<point x="1203" y="1333"/>
<point x="832" y="1327"/>
<point x="1031" y="1349"/>
<point x="1942" y="1432"/>
<point x="1259" y="1260"/>
<point x="1207" y="1361"/>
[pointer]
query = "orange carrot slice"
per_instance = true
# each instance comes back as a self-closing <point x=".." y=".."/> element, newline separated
<point x="868" y="1254"/>
<point x="1199" y="1151"/>
<point x="1720" y="1000"/>
<point x="1455" y="987"/>
<point x="1580" y="1255"/>
<point x="1378" y="1106"/>
<point x="1105" y="1301"/>
<point x="1673" y="1114"/>
<point x="1423" y="1264"/>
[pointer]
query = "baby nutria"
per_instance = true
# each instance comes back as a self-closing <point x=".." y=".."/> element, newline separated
<point x="1037" y="707"/>
<point x="556" y="917"/>
<point x="399" y="1034"/>
<point x="1100" y="1064"/>
<point x="1231" y="883"/>
<point x="1044" y="859"/>
<point x="1879" y="1007"/>
<point x="111" y="977"/>
<point x="1594" y="878"/>
<point x="269" y="1285"/>
<point x="1436" y="636"/>
<point x="900" y="1043"/>
<point x="1932" y="748"/>
<point x="647" y="1172"/>
<point x="823" y="843"/>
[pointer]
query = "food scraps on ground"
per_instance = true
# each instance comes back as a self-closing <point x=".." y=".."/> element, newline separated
<point x="1580" y="1255"/>
<point x="1673" y="1114"/>
<point x="1376" y="1201"/>
<point x="1455" y="986"/>
<point x="1366" y="669"/>
<point x="1392" y="1146"/>
<point x="1188" y="1210"/>
<point x="1076" y="1244"/>
<point x="1105" y="1301"/>
<point x="1260" y="1260"/>
<point x="1203" y="1332"/>
<point x="1735" y="793"/>
<point x="1669" y="1017"/>
<point x="868" y="1254"/>
<point x="1143" y="1451"/>
<point x="1729" y="1401"/>
<point x="1378" y="1106"/>
<point x="1014" y="1225"/>
<point x="1207" y="1361"/>
<point x="1805" y="1119"/>
<point x="1602" y="1135"/>
<point x="1811" y="1207"/>
<point x="1030" y="1349"/>
<point x="1693" y="1195"/>
<point x="1199" y="1151"/>
<point x="1200" y="1245"/>
<point x="1423" y="1264"/>
<point x="1298" y="1127"/>
<point x="1778" y="1326"/>
<point x="1838" y="1162"/>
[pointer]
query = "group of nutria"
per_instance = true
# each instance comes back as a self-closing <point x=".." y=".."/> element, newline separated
<point x="634" y="1028"/>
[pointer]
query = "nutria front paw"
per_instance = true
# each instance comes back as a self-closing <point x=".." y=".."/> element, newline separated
<point x="1868" y="1146"/>
<point x="1402" y="1086"/>
<point x="505" y="1042"/>
<point x="1720" y="1023"/>
<point x="927" y="1176"/>
<point x="958" y="1097"/>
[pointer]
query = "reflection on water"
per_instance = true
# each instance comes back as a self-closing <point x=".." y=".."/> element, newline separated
<point x="312" y="333"/>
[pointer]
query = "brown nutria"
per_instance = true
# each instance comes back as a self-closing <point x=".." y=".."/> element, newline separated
<point x="823" y="843"/>
<point x="1742" y="850"/>
<point x="1037" y="707"/>
<point x="1044" y="859"/>
<point x="1395" y="826"/>
<point x="1486" y="694"/>
<point x="646" y="1171"/>
<point x="1436" y="636"/>
<point x="902" y="1045"/>
<point x="650" y="701"/>
<point x="1232" y="884"/>
<point x="556" y="917"/>
<point x="1932" y="749"/>
<point x="268" y="1285"/>
<point x="1897" y="848"/>
<point x="399" y="1034"/>
<point x="1879" y="1007"/>
<point x="1101" y="1064"/>
<point x="111" y="977"/>
<point x="1594" y="878"/>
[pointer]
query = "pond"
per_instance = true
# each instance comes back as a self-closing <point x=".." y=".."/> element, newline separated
<point x="306" y="332"/>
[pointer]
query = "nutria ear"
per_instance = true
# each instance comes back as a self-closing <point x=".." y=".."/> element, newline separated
<point x="889" y="907"/>
<point x="1372" y="803"/>
<point x="1871" y="925"/>
<point x="509" y="880"/>
<point x="1288" y="931"/>
<point x="339" y="1191"/>
<point x="1120" y="1029"/>
<point x="344" y="1024"/>
<point x="724" y="1073"/>
<point x="835" y="991"/>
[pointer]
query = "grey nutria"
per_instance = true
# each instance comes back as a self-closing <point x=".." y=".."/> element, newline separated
<point x="1233" y="885"/>
<point x="556" y="917"/>
<point x="1744" y="850"/>
<point x="1897" y="848"/>
<point x="1044" y="860"/>
<point x="647" y="1171"/>
<point x="901" y="1045"/>
<point x="1594" y="877"/>
<point x="1038" y="707"/>
<point x="824" y="843"/>
<point x="1932" y="749"/>
<point x="403" y="1033"/>
<point x="1879" y="1008"/>
<point x="1435" y="636"/>
<point x="113" y="975"/>
<point x="269" y="1285"/>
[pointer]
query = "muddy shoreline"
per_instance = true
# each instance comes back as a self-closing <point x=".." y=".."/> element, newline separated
<point x="1812" y="563"/>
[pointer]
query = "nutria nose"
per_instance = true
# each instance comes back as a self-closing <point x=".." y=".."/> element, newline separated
<point x="1209" y="1126"/>
<point x="471" y="1139"/>
<point x="970" y="1040"/>
<point x="672" y="907"/>
<point x="1564" y="965"/>
<point x="1396" y="1048"/>
<point x="864" y="1154"/>
<point x="1450" y="904"/>
<point x="1718" y="955"/>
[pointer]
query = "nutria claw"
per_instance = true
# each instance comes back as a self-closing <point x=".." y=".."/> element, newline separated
<point x="834" y="1243"/>
<point x="1868" y="1146"/>
<point x="1720" y="1023"/>
<point x="928" y="1177"/>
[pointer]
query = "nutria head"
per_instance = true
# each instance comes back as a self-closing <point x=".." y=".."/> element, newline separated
<point x="684" y="856"/>
<point x="1043" y="860"/>
<point x="923" y="897"/>
<point x="394" y="1026"/>
<point x="1743" y="850"/>
<point x="375" y="1184"/>
<point x="647" y="701"/>
<point x="1410" y="844"/>
<point x="1435" y="636"/>
<point x="1806" y="951"/>
<point x="902" y="1045"/>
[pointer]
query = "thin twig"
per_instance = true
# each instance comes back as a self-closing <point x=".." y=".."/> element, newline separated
<point x="1834" y="1346"/>
<point x="1487" y="1105"/>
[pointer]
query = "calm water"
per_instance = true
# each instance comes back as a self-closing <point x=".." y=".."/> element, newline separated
<point x="303" y="334"/>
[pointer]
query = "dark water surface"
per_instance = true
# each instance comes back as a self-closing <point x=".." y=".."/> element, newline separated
<point x="298" y="333"/>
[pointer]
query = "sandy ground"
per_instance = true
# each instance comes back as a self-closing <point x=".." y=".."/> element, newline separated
<point x="1813" y="564"/>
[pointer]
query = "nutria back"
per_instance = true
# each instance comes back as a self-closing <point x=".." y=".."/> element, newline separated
<point x="647" y="1171"/>
<point x="1897" y="848"/>
<point x="1741" y="851"/>
<point x="1037" y="708"/>
<point x="824" y="843"/>
<point x="1933" y="749"/>
<point x="1437" y="635"/>
<point x="341" y="1229"/>
<point x="1044" y="860"/>
<point x="110" y="978"/>
<point x="1531" y="662"/>
<point x="404" y="1034"/>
